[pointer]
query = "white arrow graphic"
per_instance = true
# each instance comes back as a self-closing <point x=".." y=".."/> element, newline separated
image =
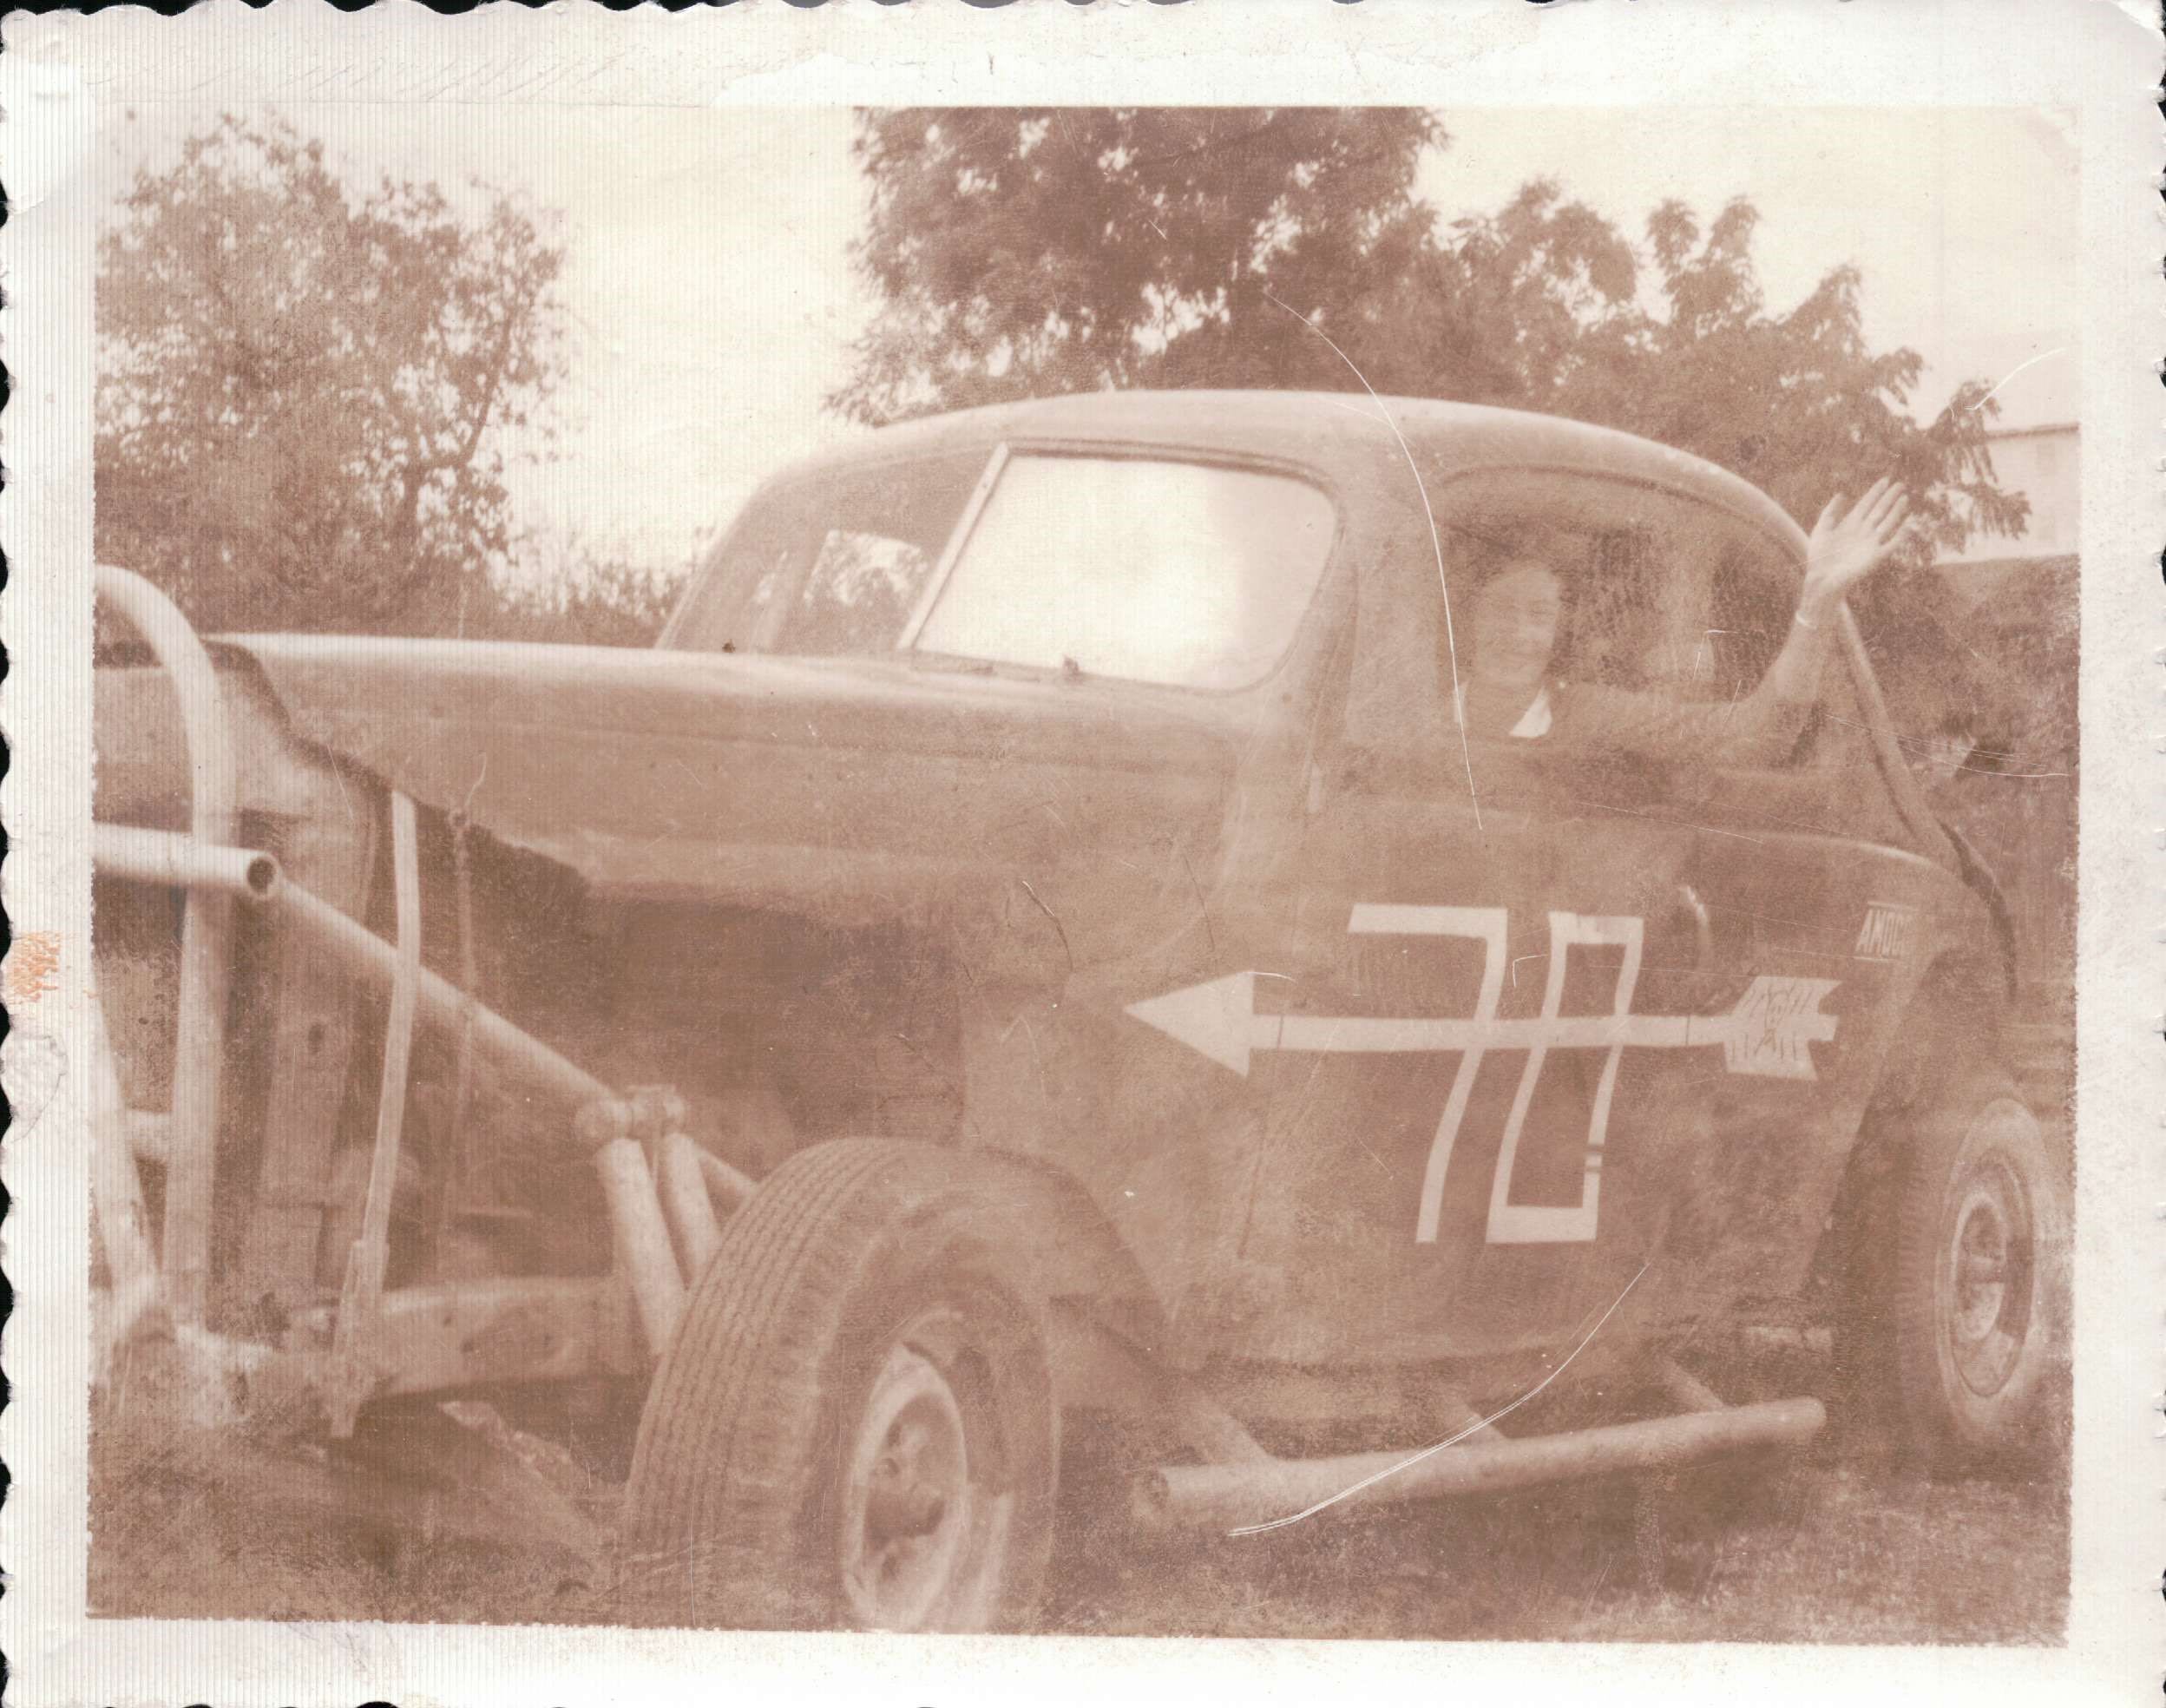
<point x="1764" y="1034"/>
<point x="1767" y="1034"/>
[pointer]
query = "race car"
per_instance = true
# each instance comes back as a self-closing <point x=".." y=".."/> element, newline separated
<point x="1048" y="936"/>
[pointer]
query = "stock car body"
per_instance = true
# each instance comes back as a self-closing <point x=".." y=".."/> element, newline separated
<point x="1092" y="974"/>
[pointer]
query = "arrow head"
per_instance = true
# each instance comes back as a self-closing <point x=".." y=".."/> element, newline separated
<point x="1217" y="1019"/>
<point x="1772" y="1024"/>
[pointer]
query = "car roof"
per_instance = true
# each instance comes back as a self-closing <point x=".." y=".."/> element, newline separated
<point x="1337" y="433"/>
<point x="1340" y="435"/>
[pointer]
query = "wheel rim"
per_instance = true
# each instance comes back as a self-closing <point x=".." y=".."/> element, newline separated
<point x="921" y="1532"/>
<point x="1986" y="1257"/>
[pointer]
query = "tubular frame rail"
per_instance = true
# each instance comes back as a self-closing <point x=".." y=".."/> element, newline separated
<point x="1256" y="1495"/>
<point x="662" y="1233"/>
<point x="206" y="932"/>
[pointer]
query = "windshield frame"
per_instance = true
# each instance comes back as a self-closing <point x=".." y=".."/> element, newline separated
<point x="951" y="549"/>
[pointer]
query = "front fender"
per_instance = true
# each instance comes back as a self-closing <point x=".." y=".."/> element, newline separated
<point x="1082" y="1262"/>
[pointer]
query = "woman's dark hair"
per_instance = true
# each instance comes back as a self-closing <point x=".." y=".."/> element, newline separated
<point x="1488" y="556"/>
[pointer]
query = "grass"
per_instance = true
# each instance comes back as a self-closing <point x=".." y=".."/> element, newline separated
<point x="1829" y="1551"/>
<point x="1858" y="1555"/>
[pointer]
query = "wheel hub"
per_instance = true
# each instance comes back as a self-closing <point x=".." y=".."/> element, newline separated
<point x="906" y="1499"/>
<point x="1985" y="1277"/>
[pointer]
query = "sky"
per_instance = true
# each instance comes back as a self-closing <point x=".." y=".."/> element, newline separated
<point x="712" y="301"/>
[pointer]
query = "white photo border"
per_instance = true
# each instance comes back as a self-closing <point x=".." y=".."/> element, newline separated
<point x="2096" y="60"/>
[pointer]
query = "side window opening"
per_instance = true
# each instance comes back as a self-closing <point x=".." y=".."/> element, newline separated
<point x="1745" y="628"/>
<point x="831" y="564"/>
<point x="1672" y="610"/>
<point x="1659" y="612"/>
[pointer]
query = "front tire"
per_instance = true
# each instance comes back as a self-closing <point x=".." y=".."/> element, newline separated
<point x="855" y="1426"/>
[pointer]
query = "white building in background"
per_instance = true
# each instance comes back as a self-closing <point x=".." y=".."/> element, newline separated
<point x="2044" y="464"/>
<point x="2036" y="451"/>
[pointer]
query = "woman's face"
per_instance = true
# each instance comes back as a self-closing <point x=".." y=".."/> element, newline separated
<point x="1514" y="628"/>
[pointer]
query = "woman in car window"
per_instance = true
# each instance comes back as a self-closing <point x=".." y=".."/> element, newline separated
<point x="1518" y="617"/>
<point x="1509" y="689"/>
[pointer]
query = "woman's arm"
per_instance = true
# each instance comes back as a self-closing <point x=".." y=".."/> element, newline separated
<point x="1845" y="548"/>
<point x="1763" y="728"/>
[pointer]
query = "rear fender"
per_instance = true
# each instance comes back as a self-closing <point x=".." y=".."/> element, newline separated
<point x="1955" y="1012"/>
<point x="1979" y="877"/>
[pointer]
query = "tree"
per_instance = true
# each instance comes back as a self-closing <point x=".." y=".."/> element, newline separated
<point x="1018" y="252"/>
<point x="1023" y="252"/>
<point x="1795" y="402"/>
<point x="306" y="396"/>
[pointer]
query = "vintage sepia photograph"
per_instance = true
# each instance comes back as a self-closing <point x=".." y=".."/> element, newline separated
<point x="1368" y="854"/>
<point x="1234" y="870"/>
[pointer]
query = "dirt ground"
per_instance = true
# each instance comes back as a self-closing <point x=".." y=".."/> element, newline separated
<point x="1855" y="1552"/>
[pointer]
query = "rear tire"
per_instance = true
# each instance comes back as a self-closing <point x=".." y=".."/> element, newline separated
<point x="855" y="1425"/>
<point x="1976" y="1273"/>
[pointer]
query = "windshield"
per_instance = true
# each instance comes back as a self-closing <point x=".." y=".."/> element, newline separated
<point x="1155" y="572"/>
<point x="1141" y="568"/>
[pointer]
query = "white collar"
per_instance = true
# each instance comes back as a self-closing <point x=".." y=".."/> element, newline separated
<point x="1533" y="723"/>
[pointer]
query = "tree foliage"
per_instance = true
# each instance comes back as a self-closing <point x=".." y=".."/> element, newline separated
<point x="1017" y="252"/>
<point x="306" y="394"/>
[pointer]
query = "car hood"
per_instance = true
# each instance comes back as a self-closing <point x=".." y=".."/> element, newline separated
<point x="680" y="770"/>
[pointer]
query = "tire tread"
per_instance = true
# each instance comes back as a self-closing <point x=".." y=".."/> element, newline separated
<point x="718" y="1475"/>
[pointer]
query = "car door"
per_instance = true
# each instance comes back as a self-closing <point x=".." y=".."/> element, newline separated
<point x="1455" y="1127"/>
